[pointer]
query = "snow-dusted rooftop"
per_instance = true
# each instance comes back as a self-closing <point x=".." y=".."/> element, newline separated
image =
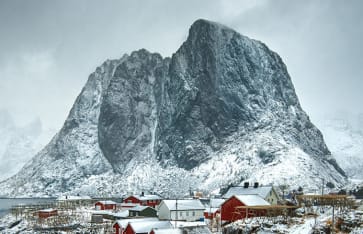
<point x="108" y="202"/>
<point x="123" y="222"/>
<point x="140" y="208"/>
<point x="192" y="204"/>
<point x="145" y="227"/>
<point x="168" y="231"/>
<point x="252" y="200"/>
<point x="262" y="191"/>
<point x="147" y="197"/>
<point x="47" y="210"/>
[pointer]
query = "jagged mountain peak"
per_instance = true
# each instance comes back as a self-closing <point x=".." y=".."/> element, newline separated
<point x="222" y="109"/>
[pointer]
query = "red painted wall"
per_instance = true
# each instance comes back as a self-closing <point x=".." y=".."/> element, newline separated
<point x="116" y="229"/>
<point x="211" y="215"/>
<point x="230" y="213"/>
<point x="128" y="230"/>
<point x="151" y="203"/>
<point x="45" y="215"/>
<point x="106" y="206"/>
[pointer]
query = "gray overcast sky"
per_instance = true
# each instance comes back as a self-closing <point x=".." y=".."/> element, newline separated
<point x="48" y="48"/>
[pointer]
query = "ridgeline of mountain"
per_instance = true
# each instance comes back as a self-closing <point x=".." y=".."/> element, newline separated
<point x="221" y="110"/>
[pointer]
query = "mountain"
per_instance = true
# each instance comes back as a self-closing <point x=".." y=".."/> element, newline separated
<point x="19" y="144"/>
<point x="221" y="110"/>
<point x="344" y="136"/>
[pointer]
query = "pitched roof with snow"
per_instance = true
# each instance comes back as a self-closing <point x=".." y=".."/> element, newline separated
<point x="216" y="202"/>
<point x="191" y="204"/>
<point x="147" y="197"/>
<point x="140" y="208"/>
<point x="108" y="202"/>
<point x="168" y="231"/>
<point x="262" y="191"/>
<point x="123" y="222"/>
<point x="141" y="227"/>
<point x="252" y="200"/>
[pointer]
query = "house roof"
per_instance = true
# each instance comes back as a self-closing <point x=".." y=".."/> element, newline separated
<point x="108" y="202"/>
<point x="140" y="227"/>
<point x="252" y="200"/>
<point x="190" y="204"/>
<point x="216" y="202"/>
<point x="168" y="231"/>
<point x="47" y="210"/>
<point x="146" y="197"/>
<point x="123" y="222"/>
<point x="140" y="208"/>
<point x="182" y="224"/>
<point x="262" y="191"/>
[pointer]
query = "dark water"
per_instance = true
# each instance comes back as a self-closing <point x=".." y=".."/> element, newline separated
<point x="7" y="203"/>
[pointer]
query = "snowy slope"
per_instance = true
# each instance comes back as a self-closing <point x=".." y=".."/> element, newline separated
<point x="221" y="110"/>
<point x="344" y="136"/>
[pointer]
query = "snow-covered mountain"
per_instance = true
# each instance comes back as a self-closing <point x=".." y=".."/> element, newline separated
<point x="344" y="136"/>
<point x="221" y="110"/>
<point x="19" y="144"/>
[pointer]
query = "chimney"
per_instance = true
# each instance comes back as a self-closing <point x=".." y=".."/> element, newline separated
<point x="246" y="184"/>
<point x="255" y="185"/>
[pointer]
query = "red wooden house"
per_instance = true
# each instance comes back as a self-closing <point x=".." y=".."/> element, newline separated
<point x="105" y="205"/>
<point x="211" y="213"/>
<point x="144" y="200"/>
<point x="146" y="227"/>
<point x="43" y="214"/>
<point x="120" y="225"/>
<point x="231" y="209"/>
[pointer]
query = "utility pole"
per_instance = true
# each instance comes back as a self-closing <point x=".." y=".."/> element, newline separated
<point x="176" y="212"/>
<point x="322" y="186"/>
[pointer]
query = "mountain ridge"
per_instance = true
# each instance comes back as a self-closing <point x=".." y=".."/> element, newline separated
<point x="220" y="98"/>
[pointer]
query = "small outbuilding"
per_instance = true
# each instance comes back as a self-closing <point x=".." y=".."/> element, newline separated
<point x="143" y="200"/>
<point x="105" y="205"/>
<point x="46" y="213"/>
<point x="144" y="211"/>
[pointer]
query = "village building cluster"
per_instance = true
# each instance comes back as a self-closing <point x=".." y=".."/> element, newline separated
<point x="153" y="214"/>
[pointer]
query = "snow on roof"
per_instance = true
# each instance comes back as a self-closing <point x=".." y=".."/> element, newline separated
<point x="216" y="202"/>
<point x="147" y="197"/>
<point x="123" y="222"/>
<point x="180" y="224"/>
<point x="262" y="191"/>
<point x="252" y="200"/>
<point x="108" y="202"/>
<point x="168" y="231"/>
<point x="140" y="208"/>
<point x="121" y="214"/>
<point x="67" y="197"/>
<point x="47" y="210"/>
<point x="140" y="227"/>
<point x="190" y="204"/>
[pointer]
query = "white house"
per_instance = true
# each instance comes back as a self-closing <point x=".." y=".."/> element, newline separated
<point x="186" y="210"/>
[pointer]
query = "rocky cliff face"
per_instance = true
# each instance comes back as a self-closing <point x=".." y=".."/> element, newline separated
<point x="222" y="110"/>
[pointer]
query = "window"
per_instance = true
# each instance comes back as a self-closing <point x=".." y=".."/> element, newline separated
<point x="193" y="213"/>
<point x="187" y="213"/>
<point x="181" y="214"/>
